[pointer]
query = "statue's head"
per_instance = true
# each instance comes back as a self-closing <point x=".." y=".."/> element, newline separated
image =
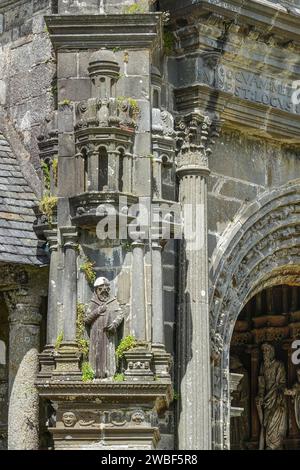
<point x="102" y="288"/>
<point x="268" y="352"/>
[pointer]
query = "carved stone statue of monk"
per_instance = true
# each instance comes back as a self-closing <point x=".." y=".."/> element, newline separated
<point x="271" y="402"/>
<point x="103" y="317"/>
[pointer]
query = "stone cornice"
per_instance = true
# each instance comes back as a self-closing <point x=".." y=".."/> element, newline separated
<point x="275" y="17"/>
<point x="106" y="390"/>
<point x="257" y="118"/>
<point x="96" y="31"/>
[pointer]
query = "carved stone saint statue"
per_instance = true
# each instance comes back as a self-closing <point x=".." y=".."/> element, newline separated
<point x="103" y="317"/>
<point x="294" y="392"/>
<point x="271" y="402"/>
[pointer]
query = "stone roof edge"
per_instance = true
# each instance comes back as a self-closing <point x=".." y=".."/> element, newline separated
<point x="21" y="154"/>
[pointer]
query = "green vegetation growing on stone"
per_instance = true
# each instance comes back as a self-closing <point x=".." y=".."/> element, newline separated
<point x="87" y="372"/>
<point x="55" y="170"/>
<point x="82" y="342"/>
<point x="47" y="206"/>
<point x="88" y="269"/>
<point x="126" y="246"/>
<point x="46" y="173"/>
<point x="58" y="341"/>
<point x="129" y="342"/>
<point x="169" y="41"/>
<point x="64" y="102"/>
<point x="118" y="378"/>
<point x="132" y="103"/>
<point x="135" y="8"/>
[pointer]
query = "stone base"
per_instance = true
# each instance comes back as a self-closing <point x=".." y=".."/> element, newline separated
<point x="106" y="415"/>
<point x="162" y="363"/>
<point x="47" y="362"/>
<point x="67" y="363"/>
<point x="138" y="365"/>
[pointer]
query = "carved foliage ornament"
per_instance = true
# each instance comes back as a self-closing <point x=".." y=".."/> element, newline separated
<point x="196" y="134"/>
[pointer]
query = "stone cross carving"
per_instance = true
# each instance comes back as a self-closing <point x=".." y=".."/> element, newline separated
<point x="103" y="317"/>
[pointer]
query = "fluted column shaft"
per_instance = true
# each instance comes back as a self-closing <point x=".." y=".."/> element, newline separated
<point x="194" y="341"/>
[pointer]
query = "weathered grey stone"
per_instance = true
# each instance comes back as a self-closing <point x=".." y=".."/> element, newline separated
<point x="23" y="424"/>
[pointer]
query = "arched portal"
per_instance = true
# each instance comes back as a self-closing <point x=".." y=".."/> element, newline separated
<point x="260" y="249"/>
<point x="271" y="317"/>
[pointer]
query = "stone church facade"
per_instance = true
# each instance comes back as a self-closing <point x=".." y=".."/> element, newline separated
<point x="155" y="145"/>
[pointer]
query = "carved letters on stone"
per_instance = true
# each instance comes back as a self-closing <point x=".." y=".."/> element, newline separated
<point x="248" y="85"/>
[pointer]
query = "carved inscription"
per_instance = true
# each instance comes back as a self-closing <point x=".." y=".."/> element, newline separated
<point x="249" y="86"/>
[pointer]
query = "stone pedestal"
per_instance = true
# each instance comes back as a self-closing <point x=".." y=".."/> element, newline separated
<point x="138" y="365"/>
<point x="106" y="415"/>
<point x="24" y="342"/>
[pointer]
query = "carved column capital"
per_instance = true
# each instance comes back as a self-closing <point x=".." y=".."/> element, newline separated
<point x="69" y="237"/>
<point x="196" y="134"/>
<point x="52" y="239"/>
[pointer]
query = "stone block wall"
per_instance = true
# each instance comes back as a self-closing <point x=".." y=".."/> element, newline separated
<point x="244" y="167"/>
<point x="27" y="69"/>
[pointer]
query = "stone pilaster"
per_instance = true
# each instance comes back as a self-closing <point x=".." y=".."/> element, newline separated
<point x="193" y="342"/>
<point x="24" y="341"/>
<point x="161" y="358"/>
<point x="67" y="359"/>
<point x="46" y="358"/>
<point x="138" y="291"/>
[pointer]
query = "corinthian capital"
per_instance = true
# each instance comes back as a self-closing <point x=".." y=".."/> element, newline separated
<point x="196" y="134"/>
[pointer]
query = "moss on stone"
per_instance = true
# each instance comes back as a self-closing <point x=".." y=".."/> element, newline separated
<point x="59" y="340"/>
<point x="88" y="269"/>
<point x="87" y="372"/>
<point x="47" y="206"/>
<point x="127" y="343"/>
<point x="82" y="342"/>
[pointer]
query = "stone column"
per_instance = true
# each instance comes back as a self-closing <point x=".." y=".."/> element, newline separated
<point x="127" y="173"/>
<point x="194" y="430"/>
<point x="157" y="189"/>
<point x="160" y="357"/>
<point x="93" y="170"/>
<point x="46" y="358"/>
<point x="158" y="337"/>
<point x="138" y="291"/>
<point x="113" y="170"/>
<point x="24" y="341"/>
<point x="67" y="362"/>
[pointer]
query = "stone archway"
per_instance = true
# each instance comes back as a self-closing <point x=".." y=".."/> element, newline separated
<point x="261" y="248"/>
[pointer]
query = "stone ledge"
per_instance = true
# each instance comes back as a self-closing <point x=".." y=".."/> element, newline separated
<point x="263" y="120"/>
<point x="275" y="17"/>
<point x="107" y="389"/>
<point x="96" y="31"/>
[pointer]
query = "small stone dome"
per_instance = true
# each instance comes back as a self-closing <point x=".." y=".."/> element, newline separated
<point x="103" y="55"/>
<point x="103" y="62"/>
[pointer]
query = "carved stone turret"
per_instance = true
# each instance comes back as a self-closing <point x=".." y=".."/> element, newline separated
<point x="104" y="138"/>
